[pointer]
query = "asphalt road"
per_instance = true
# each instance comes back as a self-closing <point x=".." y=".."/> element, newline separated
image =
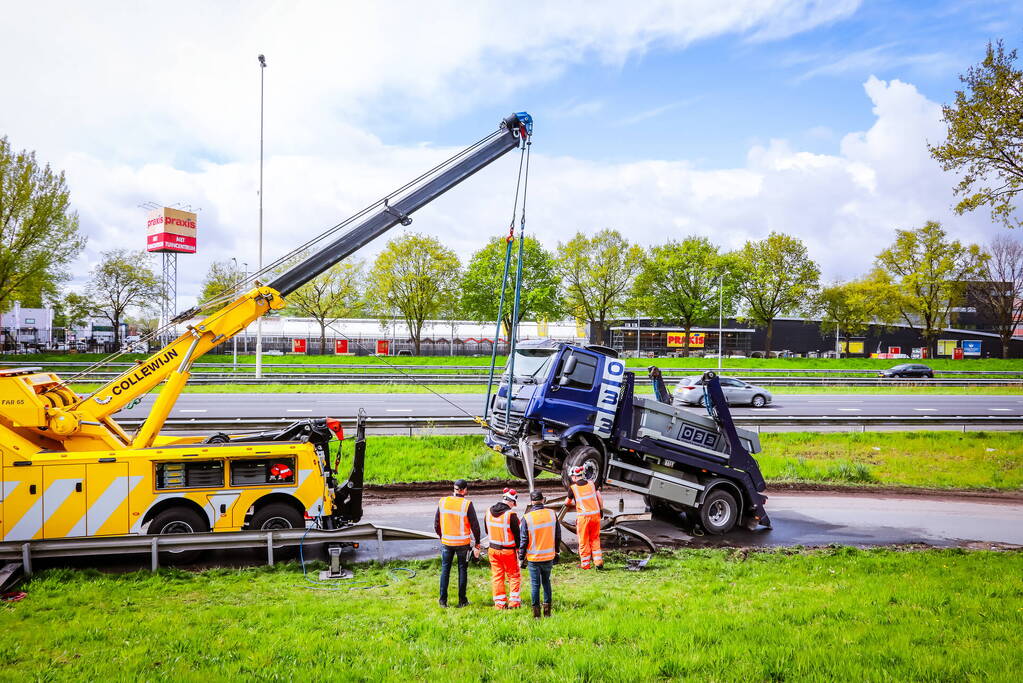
<point x="430" y="405"/>
<point x="809" y="519"/>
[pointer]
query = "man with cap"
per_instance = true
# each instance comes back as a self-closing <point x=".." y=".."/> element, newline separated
<point x="540" y="537"/>
<point x="459" y="530"/>
<point x="588" y="505"/>
<point x="502" y="525"/>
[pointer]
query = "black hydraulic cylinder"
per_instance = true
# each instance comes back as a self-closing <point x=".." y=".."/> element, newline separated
<point x="387" y="217"/>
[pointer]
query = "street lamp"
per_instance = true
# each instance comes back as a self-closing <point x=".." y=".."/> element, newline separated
<point x="721" y="306"/>
<point x="259" y="266"/>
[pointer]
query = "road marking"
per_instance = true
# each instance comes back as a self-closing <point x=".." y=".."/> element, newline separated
<point x="1005" y="409"/>
<point x="926" y="410"/>
<point x="849" y="409"/>
<point x="300" y="410"/>
<point x="192" y="411"/>
<point x="767" y="410"/>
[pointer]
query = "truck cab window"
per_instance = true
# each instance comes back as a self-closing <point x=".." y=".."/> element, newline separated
<point x="580" y="374"/>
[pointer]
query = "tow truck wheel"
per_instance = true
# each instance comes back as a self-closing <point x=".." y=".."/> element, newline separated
<point x="517" y="469"/>
<point x="280" y="516"/>
<point x="178" y="520"/>
<point x="719" y="512"/>
<point x="590" y="459"/>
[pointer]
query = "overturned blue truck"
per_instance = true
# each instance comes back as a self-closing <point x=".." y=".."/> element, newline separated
<point x="560" y="406"/>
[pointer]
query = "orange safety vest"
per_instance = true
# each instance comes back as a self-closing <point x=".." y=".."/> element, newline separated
<point x="586" y="502"/>
<point x="500" y="530"/>
<point x="454" y="521"/>
<point x="541" y="535"/>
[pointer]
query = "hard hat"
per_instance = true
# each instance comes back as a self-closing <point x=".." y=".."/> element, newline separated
<point x="578" y="471"/>
<point x="510" y="495"/>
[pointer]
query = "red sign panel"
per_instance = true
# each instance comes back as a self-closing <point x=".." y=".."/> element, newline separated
<point x="340" y="346"/>
<point x="298" y="345"/>
<point x="383" y="347"/>
<point x="165" y="241"/>
<point x="894" y="349"/>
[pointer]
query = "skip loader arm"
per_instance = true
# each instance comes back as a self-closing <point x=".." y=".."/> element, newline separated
<point x="87" y="423"/>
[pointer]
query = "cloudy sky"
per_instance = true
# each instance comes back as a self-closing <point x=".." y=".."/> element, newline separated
<point x="661" y="119"/>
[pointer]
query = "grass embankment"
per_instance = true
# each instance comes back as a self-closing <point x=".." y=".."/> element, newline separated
<point x="835" y="614"/>
<point x="482" y="389"/>
<point x="947" y="460"/>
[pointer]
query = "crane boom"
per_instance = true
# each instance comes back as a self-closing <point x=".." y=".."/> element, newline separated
<point x="56" y="413"/>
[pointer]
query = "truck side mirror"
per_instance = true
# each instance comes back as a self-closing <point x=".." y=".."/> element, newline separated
<point x="569" y="367"/>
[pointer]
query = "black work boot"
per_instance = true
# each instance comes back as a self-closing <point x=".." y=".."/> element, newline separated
<point x="536" y="611"/>
<point x="442" y="602"/>
<point x="547" y="609"/>
<point x="463" y="602"/>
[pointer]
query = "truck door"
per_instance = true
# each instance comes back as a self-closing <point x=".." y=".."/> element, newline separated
<point x="573" y="394"/>
<point x="63" y="501"/>
<point x="107" y="493"/>
<point x="22" y="503"/>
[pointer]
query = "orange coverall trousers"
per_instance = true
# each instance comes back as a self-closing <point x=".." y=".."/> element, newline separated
<point x="505" y="565"/>
<point x="588" y="531"/>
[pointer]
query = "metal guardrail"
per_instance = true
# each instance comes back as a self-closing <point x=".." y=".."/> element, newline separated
<point x="483" y="369"/>
<point x="425" y="424"/>
<point x="26" y="551"/>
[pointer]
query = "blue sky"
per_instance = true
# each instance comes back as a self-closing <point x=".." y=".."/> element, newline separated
<point x="659" y="118"/>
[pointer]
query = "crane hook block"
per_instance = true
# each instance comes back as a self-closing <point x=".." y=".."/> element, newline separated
<point x="403" y="218"/>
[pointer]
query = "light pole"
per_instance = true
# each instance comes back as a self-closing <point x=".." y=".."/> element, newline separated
<point x="259" y="265"/>
<point x="721" y="307"/>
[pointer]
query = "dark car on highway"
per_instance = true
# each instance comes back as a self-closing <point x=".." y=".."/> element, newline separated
<point x="908" y="370"/>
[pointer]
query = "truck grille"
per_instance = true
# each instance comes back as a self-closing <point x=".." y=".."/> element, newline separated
<point x="497" y="415"/>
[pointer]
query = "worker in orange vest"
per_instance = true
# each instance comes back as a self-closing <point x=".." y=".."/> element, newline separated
<point x="588" y="505"/>
<point x="539" y="538"/>
<point x="502" y="525"/>
<point x="459" y="530"/>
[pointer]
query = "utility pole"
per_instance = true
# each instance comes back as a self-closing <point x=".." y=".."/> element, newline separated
<point x="259" y="266"/>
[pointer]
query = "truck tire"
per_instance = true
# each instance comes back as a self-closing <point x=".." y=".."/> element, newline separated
<point x="719" y="512"/>
<point x="281" y="516"/>
<point x="517" y="469"/>
<point x="590" y="459"/>
<point x="178" y="520"/>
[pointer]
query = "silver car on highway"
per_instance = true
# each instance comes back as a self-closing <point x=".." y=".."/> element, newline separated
<point x="690" y="390"/>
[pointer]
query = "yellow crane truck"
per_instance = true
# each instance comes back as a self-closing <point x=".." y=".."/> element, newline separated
<point x="69" y="470"/>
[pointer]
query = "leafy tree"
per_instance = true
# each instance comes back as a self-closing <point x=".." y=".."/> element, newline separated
<point x="335" y="293"/>
<point x="985" y="136"/>
<point x="775" y="276"/>
<point x="123" y="280"/>
<point x="540" y="296"/>
<point x="38" y="230"/>
<point x="1000" y="296"/>
<point x="416" y="275"/>
<point x="923" y="274"/>
<point x="852" y="307"/>
<point x="598" y="273"/>
<point x="223" y="277"/>
<point x="685" y="281"/>
<point x="73" y="310"/>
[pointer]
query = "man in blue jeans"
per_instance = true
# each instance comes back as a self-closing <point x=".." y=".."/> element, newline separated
<point x="459" y="530"/>
<point x="539" y="540"/>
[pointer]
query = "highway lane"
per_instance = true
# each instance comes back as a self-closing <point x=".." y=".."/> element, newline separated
<point x="430" y="405"/>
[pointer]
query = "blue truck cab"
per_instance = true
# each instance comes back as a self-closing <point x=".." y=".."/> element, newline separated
<point x="569" y="406"/>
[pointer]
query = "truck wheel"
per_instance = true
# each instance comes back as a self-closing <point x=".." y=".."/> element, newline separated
<point x="178" y="520"/>
<point x="590" y="459"/>
<point x="280" y="516"/>
<point x="517" y="469"/>
<point x="758" y="401"/>
<point x="719" y="512"/>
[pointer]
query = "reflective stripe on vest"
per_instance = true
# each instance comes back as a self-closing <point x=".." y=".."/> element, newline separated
<point x="500" y="530"/>
<point x="585" y="499"/>
<point x="541" y="535"/>
<point x="454" y="521"/>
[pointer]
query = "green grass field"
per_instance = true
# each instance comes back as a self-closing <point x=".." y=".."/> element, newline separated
<point x="945" y="460"/>
<point x="833" y="614"/>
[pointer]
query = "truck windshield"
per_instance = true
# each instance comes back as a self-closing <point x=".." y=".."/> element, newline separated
<point x="532" y="363"/>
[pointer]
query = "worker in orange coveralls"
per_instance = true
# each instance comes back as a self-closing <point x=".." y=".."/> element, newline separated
<point x="588" y="505"/>
<point x="502" y="525"/>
